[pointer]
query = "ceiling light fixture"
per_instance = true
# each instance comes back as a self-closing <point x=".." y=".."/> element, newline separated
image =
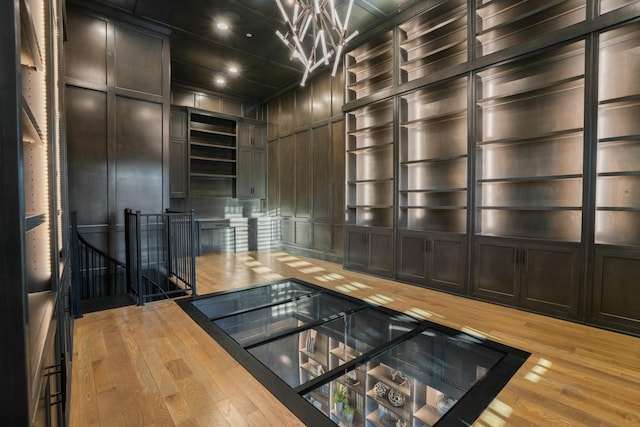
<point x="315" y="33"/>
<point x="223" y="26"/>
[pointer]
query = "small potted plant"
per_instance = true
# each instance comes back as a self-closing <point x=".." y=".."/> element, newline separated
<point x="347" y="414"/>
<point x="340" y="398"/>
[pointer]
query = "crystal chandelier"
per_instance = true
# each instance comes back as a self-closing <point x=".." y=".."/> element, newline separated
<point x="315" y="33"/>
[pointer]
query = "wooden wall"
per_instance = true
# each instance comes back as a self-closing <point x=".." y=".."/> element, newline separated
<point x="305" y="167"/>
<point x="118" y="100"/>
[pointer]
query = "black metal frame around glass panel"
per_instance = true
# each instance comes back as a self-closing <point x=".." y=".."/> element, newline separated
<point x="473" y="395"/>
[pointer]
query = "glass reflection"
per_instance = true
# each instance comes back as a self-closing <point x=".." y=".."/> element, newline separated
<point x="258" y="325"/>
<point x="245" y="299"/>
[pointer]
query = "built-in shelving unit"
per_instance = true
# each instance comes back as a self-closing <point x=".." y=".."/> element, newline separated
<point x="517" y="155"/>
<point x="433" y="40"/>
<point x="212" y="155"/>
<point x="432" y="186"/>
<point x="370" y="188"/>
<point x="35" y="261"/>
<point x="618" y="171"/>
<point x="433" y="158"/>
<point x="369" y="68"/>
<point x="501" y="24"/>
<point x="529" y="147"/>
<point x="617" y="194"/>
<point x="370" y="165"/>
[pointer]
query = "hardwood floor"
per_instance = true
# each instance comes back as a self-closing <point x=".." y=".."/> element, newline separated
<point x="153" y="366"/>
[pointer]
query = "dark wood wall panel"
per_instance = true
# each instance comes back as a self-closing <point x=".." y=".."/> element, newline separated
<point x="86" y="49"/>
<point x="287" y="175"/>
<point x="337" y="92"/>
<point x="303" y="107"/>
<point x="273" y="120"/>
<point x="305" y="165"/>
<point x="136" y="62"/>
<point x="138" y="140"/>
<point x="118" y="103"/>
<point x="287" y="113"/>
<point x="322" y="237"/>
<point x="303" y="234"/>
<point x="87" y="154"/>
<point x="321" y="100"/>
<point x="337" y="171"/>
<point x="273" y="178"/>
<point x="321" y="167"/>
<point x="303" y="175"/>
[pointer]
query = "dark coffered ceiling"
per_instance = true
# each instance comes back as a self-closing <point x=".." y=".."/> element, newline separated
<point x="200" y="52"/>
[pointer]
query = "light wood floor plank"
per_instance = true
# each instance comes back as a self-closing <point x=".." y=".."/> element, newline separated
<point x="152" y="365"/>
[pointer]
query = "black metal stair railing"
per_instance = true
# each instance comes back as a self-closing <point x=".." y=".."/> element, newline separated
<point x="160" y="254"/>
<point x="98" y="279"/>
<point x="160" y="263"/>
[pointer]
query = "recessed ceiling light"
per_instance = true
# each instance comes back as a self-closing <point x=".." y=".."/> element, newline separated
<point x="223" y="26"/>
<point x="233" y="70"/>
<point x="220" y="81"/>
<point x="249" y="35"/>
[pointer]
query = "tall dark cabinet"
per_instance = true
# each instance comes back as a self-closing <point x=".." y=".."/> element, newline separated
<point x="492" y="151"/>
<point x="34" y="298"/>
<point x="529" y="180"/>
<point x="616" y="277"/>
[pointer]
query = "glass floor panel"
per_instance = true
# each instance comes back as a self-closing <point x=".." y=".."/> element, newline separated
<point x="258" y="325"/>
<point x="415" y="382"/>
<point x="308" y="354"/>
<point x="333" y="359"/>
<point x="226" y="303"/>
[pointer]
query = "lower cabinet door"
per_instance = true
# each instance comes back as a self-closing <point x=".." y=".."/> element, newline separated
<point x="412" y="259"/>
<point x="616" y="289"/>
<point x="448" y="263"/>
<point x="551" y="279"/>
<point x="381" y="253"/>
<point x="496" y="275"/>
<point x="356" y="250"/>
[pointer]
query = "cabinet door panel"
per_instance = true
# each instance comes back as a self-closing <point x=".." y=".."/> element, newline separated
<point x="356" y="252"/>
<point x="244" y="173"/>
<point x="380" y="255"/>
<point x="616" y="288"/>
<point x="244" y="134"/>
<point x="550" y="280"/>
<point x="303" y="175"/>
<point x="257" y="173"/>
<point x="412" y="259"/>
<point x="448" y="264"/>
<point x="287" y="175"/>
<point x="496" y="273"/>
<point x="177" y="168"/>
<point x="178" y="123"/>
<point x="321" y="165"/>
<point x="273" y="178"/>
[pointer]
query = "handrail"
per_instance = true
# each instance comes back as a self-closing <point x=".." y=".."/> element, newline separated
<point x="95" y="273"/>
<point x="160" y="251"/>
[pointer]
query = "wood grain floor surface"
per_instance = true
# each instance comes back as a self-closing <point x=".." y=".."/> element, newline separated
<point x="153" y="366"/>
